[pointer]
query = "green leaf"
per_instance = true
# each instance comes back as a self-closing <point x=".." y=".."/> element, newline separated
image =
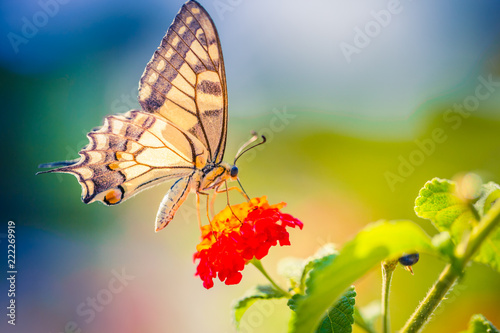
<point x="438" y="202"/>
<point x="324" y="256"/>
<point x="375" y="243"/>
<point x="340" y="317"/>
<point x="251" y="296"/>
<point x="479" y="324"/>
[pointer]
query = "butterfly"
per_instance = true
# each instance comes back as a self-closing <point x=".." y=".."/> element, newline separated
<point x="180" y="132"/>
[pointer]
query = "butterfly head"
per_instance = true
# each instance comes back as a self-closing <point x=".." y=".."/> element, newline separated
<point x="226" y="172"/>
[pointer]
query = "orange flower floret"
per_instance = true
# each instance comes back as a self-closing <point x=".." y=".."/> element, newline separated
<point x="230" y="241"/>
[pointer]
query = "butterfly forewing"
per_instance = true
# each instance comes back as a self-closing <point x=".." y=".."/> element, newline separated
<point x="185" y="80"/>
<point x="132" y="152"/>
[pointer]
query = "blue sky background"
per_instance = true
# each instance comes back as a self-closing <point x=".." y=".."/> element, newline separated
<point x="290" y="55"/>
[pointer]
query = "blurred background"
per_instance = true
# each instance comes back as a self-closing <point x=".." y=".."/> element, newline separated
<point x="362" y="103"/>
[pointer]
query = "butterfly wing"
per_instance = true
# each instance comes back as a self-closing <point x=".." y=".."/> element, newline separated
<point x="185" y="80"/>
<point x="132" y="152"/>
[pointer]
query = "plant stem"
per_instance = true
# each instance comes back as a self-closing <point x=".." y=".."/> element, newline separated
<point x="259" y="266"/>
<point x="388" y="268"/>
<point x="432" y="300"/>
<point x="465" y="251"/>
<point x="479" y="234"/>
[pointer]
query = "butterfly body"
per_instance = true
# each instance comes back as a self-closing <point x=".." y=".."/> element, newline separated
<point x="180" y="133"/>
<point x="208" y="178"/>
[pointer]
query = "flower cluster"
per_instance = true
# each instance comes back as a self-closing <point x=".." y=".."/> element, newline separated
<point x="238" y="234"/>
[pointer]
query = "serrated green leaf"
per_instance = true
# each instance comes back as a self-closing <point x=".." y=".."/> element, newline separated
<point x="375" y="243"/>
<point x="324" y="256"/>
<point x="292" y="302"/>
<point x="438" y="202"/>
<point x="251" y="296"/>
<point x="340" y="317"/>
<point x="479" y="324"/>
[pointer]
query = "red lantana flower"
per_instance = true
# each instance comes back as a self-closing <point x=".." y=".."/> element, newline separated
<point x="229" y="241"/>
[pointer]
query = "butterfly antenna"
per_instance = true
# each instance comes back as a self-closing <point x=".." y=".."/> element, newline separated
<point x="249" y="141"/>
<point x="244" y="148"/>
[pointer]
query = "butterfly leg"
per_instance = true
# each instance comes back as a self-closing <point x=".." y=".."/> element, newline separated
<point x="227" y="197"/>
<point x="198" y="207"/>
<point x="212" y="202"/>
<point x="218" y="190"/>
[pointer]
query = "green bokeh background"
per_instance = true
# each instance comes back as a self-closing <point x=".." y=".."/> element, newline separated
<point x="329" y="164"/>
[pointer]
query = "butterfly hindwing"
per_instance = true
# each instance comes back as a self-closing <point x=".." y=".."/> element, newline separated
<point x="185" y="79"/>
<point x="131" y="152"/>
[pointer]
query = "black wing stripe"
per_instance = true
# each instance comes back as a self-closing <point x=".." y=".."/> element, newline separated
<point x="189" y="48"/>
<point x="193" y="26"/>
<point x="196" y="19"/>
<point x="200" y="123"/>
<point x="171" y="80"/>
<point x="173" y="67"/>
<point x="169" y="83"/>
<point x="165" y="98"/>
<point x="203" y="43"/>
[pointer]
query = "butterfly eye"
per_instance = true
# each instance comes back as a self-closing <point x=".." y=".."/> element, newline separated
<point x="234" y="171"/>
